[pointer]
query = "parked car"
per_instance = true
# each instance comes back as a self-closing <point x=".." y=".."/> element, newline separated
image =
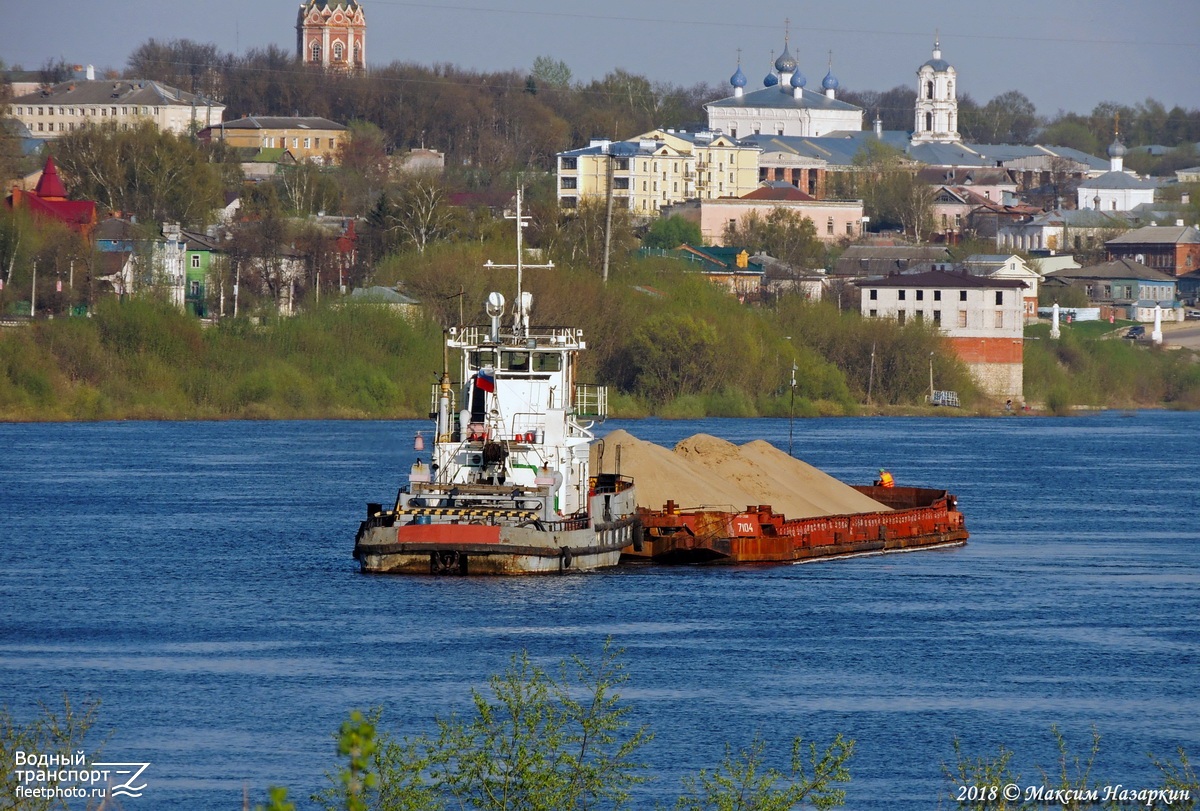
<point x="1136" y="331"/>
<point x="1191" y="314"/>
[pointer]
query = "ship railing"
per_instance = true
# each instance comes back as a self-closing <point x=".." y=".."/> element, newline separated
<point x="566" y="525"/>
<point x="609" y="483"/>
<point x="443" y="495"/>
<point x="591" y="401"/>
<point x="435" y="399"/>
<point x="568" y="337"/>
<point x="527" y="427"/>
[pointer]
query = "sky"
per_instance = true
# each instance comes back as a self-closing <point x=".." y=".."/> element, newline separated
<point x="1062" y="54"/>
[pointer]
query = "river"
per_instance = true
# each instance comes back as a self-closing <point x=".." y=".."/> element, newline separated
<point x="197" y="578"/>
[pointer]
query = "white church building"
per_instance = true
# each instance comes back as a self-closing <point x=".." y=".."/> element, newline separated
<point x="784" y="105"/>
<point x="1116" y="189"/>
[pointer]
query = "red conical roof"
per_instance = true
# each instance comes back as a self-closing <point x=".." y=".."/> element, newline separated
<point x="50" y="186"/>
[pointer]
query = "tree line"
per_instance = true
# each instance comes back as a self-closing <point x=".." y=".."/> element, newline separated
<point x="522" y="117"/>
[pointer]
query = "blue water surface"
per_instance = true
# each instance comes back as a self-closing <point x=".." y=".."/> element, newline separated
<point x="197" y="578"/>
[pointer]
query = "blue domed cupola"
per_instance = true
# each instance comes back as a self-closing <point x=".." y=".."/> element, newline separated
<point x="738" y="81"/>
<point x="830" y="82"/>
<point x="770" y="80"/>
<point x="798" y="81"/>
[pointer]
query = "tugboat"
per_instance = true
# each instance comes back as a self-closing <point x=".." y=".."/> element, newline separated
<point x="508" y="487"/>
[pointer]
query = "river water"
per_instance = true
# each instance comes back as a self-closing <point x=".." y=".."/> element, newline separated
<point x="197" y="578"/>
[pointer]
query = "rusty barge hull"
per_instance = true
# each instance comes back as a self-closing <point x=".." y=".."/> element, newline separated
<point x="920" y="518"/>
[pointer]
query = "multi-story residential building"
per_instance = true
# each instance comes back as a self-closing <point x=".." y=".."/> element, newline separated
<point x="202" y="258"/>
<point x="982" y="318"/>
<point x="1173" y="249"/>
<point x="303" y="137"/>
<point x="118" y="103"/>
<point x="657" y="169"/>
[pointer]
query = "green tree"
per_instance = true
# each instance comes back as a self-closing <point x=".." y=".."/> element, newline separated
<point x="362" y="166"/>
<point x="192" y="66"/>
<point x="783" y="234"/>
<point x="156" y="175"/>
<point x="1072" y="131"/>
<point x="672" y="355"/>
<point x="531" y="742"/>
<point x="744" y="782"/>
<point x="671" y="232"/>
<point x="580" y="237"/>
<point x="416" y="211"/>
<point x="976" y="782"/>
<point x="551" y="72"/>
<point x="1068" y="296"/>
<point x="1009" y="118"/>
<point x="52" y="732"/>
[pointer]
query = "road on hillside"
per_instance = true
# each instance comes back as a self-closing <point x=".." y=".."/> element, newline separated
<point x="1186" y="334"/>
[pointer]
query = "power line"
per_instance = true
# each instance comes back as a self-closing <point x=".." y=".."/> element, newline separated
<point x="682" y="21"/>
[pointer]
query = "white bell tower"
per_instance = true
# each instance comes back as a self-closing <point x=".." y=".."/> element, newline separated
<point x="937" y="102"/>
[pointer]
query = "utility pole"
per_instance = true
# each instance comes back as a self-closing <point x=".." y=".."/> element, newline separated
<point x="608" y="210"/>
<point x="792" y="409"/>
<point x="33" y="292"/>
<point x="792" y="402"/>
<point x="871" y="374"/>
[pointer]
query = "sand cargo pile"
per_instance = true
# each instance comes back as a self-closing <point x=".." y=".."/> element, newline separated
<point x="709" y="500"/>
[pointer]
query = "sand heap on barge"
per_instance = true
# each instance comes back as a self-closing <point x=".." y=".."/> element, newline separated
<point x="710" y="501"/>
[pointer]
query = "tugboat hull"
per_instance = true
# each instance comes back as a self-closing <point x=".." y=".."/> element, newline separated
<point x="398" y="544"/>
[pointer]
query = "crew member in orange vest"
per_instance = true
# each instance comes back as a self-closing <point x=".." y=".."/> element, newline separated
<point x="885" y="479"/>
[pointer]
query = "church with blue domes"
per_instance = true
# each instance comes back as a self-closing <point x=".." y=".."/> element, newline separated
<point x="784" y="105"/>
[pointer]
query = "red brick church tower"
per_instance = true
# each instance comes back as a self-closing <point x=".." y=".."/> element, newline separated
<point x="332" y="34"/>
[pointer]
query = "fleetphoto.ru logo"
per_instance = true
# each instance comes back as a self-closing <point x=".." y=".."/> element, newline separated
<point x="71" y="776"/>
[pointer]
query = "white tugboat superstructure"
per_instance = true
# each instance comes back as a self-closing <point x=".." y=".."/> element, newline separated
<point x="508" y="488"/>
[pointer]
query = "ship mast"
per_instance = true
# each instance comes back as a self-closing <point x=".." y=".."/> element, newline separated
<point x="521" y="324"/>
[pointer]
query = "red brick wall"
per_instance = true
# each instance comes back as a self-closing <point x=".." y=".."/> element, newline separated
<point x="988" y="350"/>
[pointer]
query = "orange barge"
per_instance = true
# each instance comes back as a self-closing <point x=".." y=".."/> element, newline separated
<point x="919" y="518"/>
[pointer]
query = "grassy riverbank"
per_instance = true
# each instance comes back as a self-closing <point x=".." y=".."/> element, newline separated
<point x="139" y="360"/>
<point x="666" y="344"/>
